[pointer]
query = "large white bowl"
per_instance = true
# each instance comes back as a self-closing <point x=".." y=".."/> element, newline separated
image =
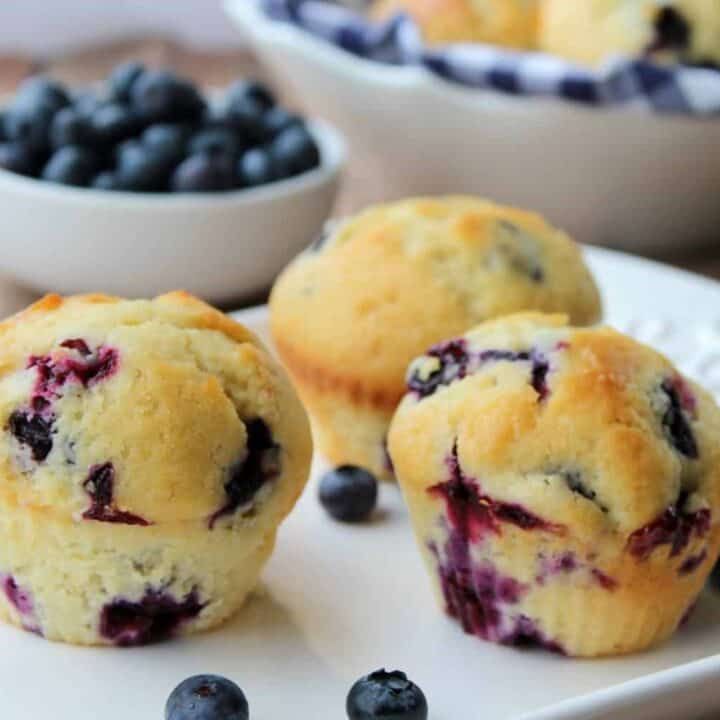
<point x="221" y="246"/>
<point x="621" y="177"/>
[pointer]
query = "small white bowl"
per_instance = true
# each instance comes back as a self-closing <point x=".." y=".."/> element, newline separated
<point x="622" y="177"/>
<point x="221" y="246"/>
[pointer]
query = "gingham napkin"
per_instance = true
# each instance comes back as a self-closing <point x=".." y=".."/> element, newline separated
<point x="662" y="89"/>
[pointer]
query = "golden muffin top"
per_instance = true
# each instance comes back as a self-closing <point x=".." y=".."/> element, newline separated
<point x="591" y="31"/>
<point x="145" y="412"/>
<point x="512" y="23"/>
<point x="385" y="285"/>
<point x="582" y="427"/>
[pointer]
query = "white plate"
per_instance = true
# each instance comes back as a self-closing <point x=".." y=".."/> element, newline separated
<point x="339" y="601"/>
<point x="622" y="177"/>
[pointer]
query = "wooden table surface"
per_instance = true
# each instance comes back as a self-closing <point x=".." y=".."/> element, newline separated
<point x="362" y="183"/>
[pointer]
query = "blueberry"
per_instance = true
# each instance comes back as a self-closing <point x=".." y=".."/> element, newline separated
<point x="30" y="125"/>
<point x="294" y="152"/>
<point x="167" y="140"/>
<point x="141" y="169"/>
<point x="278" y="119"/>
<point x="203" y="173"/>
<point x="113" y="123"/>
<point x="122" y="79"/>
<point x="217" y="140"/>
<point x="255" y="167"/>
<point x="41" y="91"/>
<point x="348" y="493"/>
<point x="69" y="127"/>
<point x="386" y="695"/>
<point x="85" y="103"/>
<point x="246" y="117"/>
<point x="33" y="431"/>
<point x="3" y="134"/>
<point x="106" y="181"/>
<point x="207" y="697"/>
<point x="252" y="89"/>
<point x="160" y="96"/>
<point x="17" y="158"/>
<point x="70" y="165"/>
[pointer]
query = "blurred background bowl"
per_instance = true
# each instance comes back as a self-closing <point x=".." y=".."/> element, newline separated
<point x="222" y="246"/>
<point x="621" y="177"/>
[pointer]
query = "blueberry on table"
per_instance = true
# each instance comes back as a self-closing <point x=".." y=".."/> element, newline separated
<point x="3" y="135"/>
<point x="113" y="123"/>
<point x="294" y="152"/>
<point x="17" y="158"/>
<point x="348" y="493"/>
<point x="166" y="139"/>
<point x="207" y="697"/>
<point x="160" y="96"/>
<point x="278" y="119"/>
<point x="255" y="168"/>
<point x="142" y="169"/>
<point x="252" y="89"/>
<point x="203" y="173"/>
<point x="69" y="127"/>
<point x="30" y="126"/>
<point x="122" y="79"/>
<point x="215" y="140"/>
<point x="86" y="102"/>
<point x="40" y="91"/>
<point x="70" y="165"/>
<point x="386" y="695"/>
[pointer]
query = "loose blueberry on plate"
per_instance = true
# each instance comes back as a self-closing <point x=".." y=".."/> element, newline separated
<point x="386" y="695"/>
<point x="207" y="697"/>
<point x="255" y="167"/>
<point x="70" y="165"/>
<point x="17" y="158"/>
<point x="122" y="79"/>
<point x="348" y="493"/>
<point x="69" y="127"/>
<point x="217" y="140"/>
<point x="294" y="152"/>
<point x="203" y="173"/>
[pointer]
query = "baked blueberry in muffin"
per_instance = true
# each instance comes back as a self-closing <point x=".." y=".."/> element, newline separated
<point x="149" y="451"/>
<point x="512" y="23"/>
<point x="350" y="313"/>
<point x="579" y="513"/>
<point x="684" y="31"/>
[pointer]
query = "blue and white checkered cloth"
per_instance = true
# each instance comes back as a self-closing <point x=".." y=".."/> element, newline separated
<point x="664" y="89"/>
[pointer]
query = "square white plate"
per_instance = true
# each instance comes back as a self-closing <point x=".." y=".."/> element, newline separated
<point x="339" y="601"/>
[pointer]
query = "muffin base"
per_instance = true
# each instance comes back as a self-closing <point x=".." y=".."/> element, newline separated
<point x="92" y="583"/>
<point x="551" y="592"/>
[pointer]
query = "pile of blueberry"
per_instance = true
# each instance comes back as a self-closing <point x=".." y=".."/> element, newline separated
<point x="149" y="130"/>
<point x="382" y="694"/>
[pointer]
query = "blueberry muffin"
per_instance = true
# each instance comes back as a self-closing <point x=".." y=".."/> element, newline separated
<point x="149" y="451"/>
<point x="589" y="32"/>
<point x="512" y="23"/>
<point x="564" y="484"/>
<point x="350" y="314"/>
